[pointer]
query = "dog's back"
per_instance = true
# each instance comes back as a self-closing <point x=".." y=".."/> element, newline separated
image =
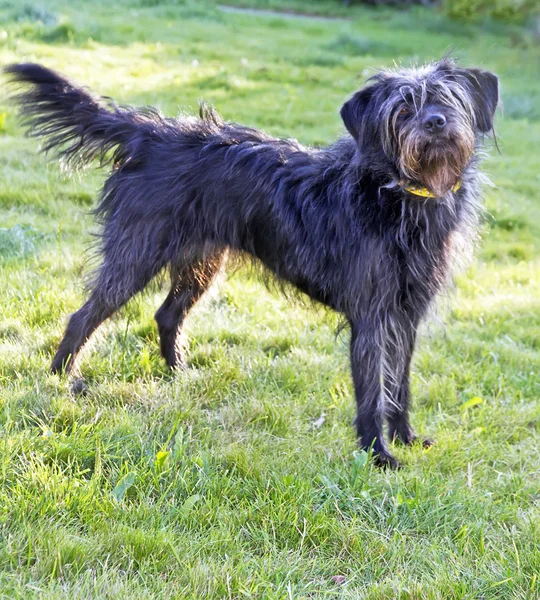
<point x="180" y="184"/>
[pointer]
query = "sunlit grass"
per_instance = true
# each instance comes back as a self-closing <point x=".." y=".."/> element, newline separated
<point x="239" y="477"/>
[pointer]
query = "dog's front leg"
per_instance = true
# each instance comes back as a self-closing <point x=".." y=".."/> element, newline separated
<point x="398" y="353"/>
<point x="366" y="365"/>
<point x="399" y="348"/>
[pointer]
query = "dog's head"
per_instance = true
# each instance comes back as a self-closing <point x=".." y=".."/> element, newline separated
<point x="424" y="124"/>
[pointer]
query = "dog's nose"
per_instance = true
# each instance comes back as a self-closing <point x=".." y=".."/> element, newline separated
<point x="435" y="122"/>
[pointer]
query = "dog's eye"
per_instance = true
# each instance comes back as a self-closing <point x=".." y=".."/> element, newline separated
<point x="404" y="111"/>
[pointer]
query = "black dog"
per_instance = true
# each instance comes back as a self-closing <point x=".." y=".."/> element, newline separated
<point x="367" y="226"/>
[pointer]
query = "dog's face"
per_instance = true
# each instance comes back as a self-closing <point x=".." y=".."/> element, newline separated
<point x="423" y="123"/>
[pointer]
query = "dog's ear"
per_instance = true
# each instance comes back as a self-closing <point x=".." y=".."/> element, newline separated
<point x="354" y="109"/>
<point x="484" y="88"/>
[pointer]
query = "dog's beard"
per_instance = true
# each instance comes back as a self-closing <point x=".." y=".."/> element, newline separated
<point x="436" y="163"/>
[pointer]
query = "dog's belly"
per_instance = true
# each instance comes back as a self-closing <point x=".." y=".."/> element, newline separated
<point x="289" y="272"/>
<point x="288" y="261"/>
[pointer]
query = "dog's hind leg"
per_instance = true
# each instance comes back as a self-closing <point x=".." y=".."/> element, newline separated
<point x="189" y="283"/>
<point x="81" y="325"/>
<point x="120" y="277"/>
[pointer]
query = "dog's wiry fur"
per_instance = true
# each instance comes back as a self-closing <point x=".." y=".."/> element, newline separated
<point x="338" y="223"/>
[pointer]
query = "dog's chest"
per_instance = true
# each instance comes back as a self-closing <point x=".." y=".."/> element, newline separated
<point x="423" y="261"/>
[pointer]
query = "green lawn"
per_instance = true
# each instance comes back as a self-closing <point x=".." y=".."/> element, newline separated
<point x="221" y="482"/>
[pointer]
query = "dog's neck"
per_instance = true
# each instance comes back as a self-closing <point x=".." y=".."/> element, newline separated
<point x="417" y="190"/>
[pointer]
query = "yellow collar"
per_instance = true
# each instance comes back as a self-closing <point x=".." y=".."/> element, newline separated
<point x="424" y="192"/>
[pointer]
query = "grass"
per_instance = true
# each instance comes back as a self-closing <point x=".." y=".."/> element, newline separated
<point x="239" y="478"/>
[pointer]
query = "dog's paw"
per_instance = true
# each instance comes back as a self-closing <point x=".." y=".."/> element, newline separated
<point x="177" y="364"/>
<point x="407" y="437"/>
<point x="418" y="439"/>
<point x="175" y="359"/>
<point x="57" y="368"/>
<point x="79" y="387"/>
<point x="62" y="364"/>
<point x="425" y="441"/>
<point x="385" y="460"/>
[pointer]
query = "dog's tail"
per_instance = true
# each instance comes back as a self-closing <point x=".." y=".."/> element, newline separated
<point x="77" y="125"/>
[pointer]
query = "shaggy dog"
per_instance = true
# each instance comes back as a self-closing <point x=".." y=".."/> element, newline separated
<point x="367" y="226"/>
